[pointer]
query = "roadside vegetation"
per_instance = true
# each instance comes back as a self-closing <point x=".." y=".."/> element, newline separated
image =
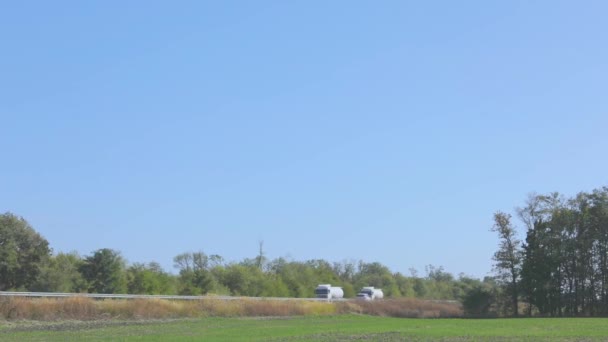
<point x="106" y="271"/>
<point x="559" y="269"/>
<point x="16" y="309"/>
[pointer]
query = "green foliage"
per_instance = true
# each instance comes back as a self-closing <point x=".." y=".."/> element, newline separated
<point x="22" y="253"/>
<point x="479" y="300"/>
<point x="420" y="288"/>
<point x="299" y="278"/>
<point x="440" y="284"/>
<point x="562" y="268"/>
<point x="275" y="288"/>
<point x="195" y="282"/>
<point x="405" y="285"/>
<point x="60" y="273"/>
<point x="194" y="275"/>
<point x="376" y="275"/>
<point x="465" y="284"/>
<point x="349" y="290"/>
<point x="104" y="272"/>
<point x="149" y="279"/>
<point x="243" y="280"/>
<point x="508" y="258"/>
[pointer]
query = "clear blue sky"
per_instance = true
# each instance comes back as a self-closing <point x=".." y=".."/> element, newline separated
<point x="385" y="131"/>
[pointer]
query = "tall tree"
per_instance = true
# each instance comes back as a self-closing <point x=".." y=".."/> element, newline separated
<point x="599" y="225"/>
<point x="508" y="257"/>
<point x="194" y="274"/>
<point x="104" y="271"/>
<point x="545" y="251"/>
<point x="22" y="253"/>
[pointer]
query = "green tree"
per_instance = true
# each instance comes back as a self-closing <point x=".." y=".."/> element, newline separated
<point x="245" y="280"/>
<point x="377" y="275"/>
<point x="406" y="285"/>
<point x="149" y="279"/>
<point x="22" y="253"/>
<point x="508" y="258"/>
<point x="60" y="273"/>
<point x="298" y="277"/>
<point x="542" y="268"/>
<point x="566" y="254"/>
<point x="195" y="277"/>
<point x="440" y="284"/>
<point x="104" y="272"/>
<point x="599" y="226"/>
<point x="543" y="252"/>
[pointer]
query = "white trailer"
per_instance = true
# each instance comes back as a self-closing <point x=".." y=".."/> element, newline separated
<point x="370" y="293"/>
<point x="329" y="292"/>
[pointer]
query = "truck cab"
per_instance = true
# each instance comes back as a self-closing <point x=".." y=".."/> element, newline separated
<point x="371" y="292"/>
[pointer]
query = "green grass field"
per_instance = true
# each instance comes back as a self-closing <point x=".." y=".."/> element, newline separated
<point x="320" y="328"/>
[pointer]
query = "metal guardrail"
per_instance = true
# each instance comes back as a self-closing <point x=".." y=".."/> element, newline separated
<point x="132" y="296"/>
<point x="171" y="297"/>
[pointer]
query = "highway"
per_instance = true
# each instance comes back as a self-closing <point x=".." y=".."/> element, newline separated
<point x="132" y="296"/>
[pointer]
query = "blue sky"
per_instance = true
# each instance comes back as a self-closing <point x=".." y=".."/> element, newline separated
<point x="383" y="131"/>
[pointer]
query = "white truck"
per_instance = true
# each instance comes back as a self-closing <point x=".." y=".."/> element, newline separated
<point x="329" y="292"/>
<point x="370" y="293"/>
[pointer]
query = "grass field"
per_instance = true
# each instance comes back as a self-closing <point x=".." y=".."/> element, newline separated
<point x="320" y="328"/>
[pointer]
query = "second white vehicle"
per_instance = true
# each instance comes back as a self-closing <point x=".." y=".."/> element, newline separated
<point x="370" y="293"/>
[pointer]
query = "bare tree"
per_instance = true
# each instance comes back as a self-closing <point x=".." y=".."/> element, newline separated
<point x="261" y="258"/>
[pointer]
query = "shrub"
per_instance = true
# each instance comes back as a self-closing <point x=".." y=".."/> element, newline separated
<point x="478" y="301"/>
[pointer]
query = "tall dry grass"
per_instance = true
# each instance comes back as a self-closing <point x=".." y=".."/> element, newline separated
<point x="403" y="307"/>
<point x="81" y="308"/>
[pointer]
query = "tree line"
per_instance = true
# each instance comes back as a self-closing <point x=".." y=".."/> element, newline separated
<point x="27" y="264"/>
<point x="561" y="269"/>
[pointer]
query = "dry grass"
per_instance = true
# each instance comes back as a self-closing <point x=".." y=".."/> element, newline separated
<point x="47" y="309"/>
<point x="81" y="308"/>
<point x="403" y="307"/>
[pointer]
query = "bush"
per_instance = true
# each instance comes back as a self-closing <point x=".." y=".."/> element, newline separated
<point x="479" y="301"/>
